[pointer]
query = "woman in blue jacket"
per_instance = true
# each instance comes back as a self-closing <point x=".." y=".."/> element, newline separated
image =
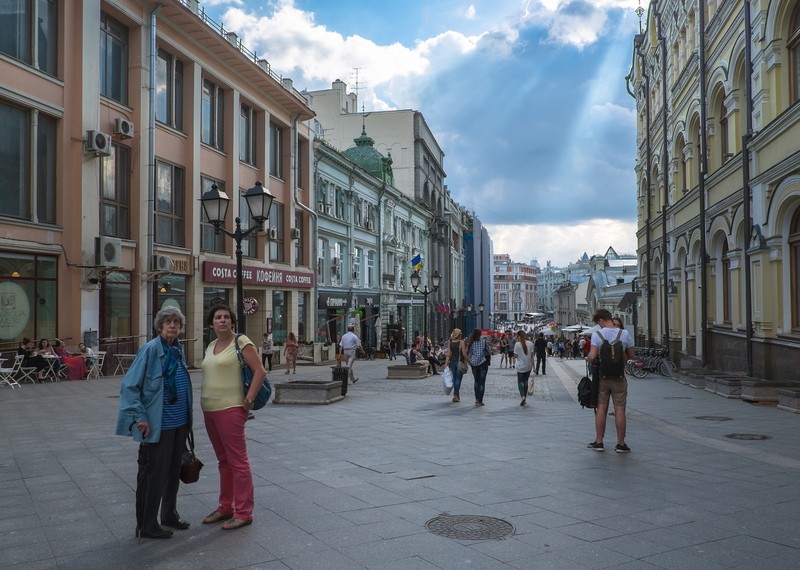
<point x="155" y="408"/>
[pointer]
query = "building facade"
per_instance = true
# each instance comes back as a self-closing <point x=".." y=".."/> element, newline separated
<point x="718" y="118"/>
<point x="110" y="146"/>
<point x="515" y="294"/>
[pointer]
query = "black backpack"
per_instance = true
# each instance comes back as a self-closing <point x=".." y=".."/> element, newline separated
<point x="612" y="358"/>
<point x="585" y="392"/>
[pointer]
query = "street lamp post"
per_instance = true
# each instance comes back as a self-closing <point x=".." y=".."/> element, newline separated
<point x="435" y="280"/>
<point x="215" y="207"/>
<point x="481" y="307"/>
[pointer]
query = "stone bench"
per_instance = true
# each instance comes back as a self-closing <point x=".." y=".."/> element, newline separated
<point x="764" y="390"/>
<point x="684" y="375"/>
<point x="307" y="392"/>
<point x="408" y="371"/>
<point x="789" y="399"/>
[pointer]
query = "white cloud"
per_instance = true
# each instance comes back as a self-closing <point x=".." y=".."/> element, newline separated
<point x="212" y="3"/>
<point x="562" y="244"/>
<point x="470" y="13"/>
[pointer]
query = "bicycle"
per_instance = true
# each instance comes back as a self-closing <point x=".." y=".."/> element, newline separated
<point x="646" y="360"/>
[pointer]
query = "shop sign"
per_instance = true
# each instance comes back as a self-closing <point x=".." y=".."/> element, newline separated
<point x="368" y="300"/>
<point x="332" y="301"/>
<point x="214" y="272"/>
<point x="410" y="301"/>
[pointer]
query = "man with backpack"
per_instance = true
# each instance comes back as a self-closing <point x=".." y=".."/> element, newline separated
<point x="611" y="348"/>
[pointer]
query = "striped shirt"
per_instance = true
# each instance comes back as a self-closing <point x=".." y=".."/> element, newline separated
<point x="177" y="415"/>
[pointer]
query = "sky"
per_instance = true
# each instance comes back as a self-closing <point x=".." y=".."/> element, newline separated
<point x="527" y="99"/>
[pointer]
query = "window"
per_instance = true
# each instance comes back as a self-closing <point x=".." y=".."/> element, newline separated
<point x="299" y="258"/>
<point x="115" y="192"/>
<point x="113" y="59"/>
<point x="726" y="284"/>
<point x="38" y="49"/>
<point x="276" y="249"/>
<point x="29" y="288"/>
<point x="169" y="204"/>
<point x="356" y="276"/>
<point x="209" y="239"/>
<point x="26" y="193"/>
<point x="794" y="55"/>
<point x="169" y="90"/>
<point x="723" y="134"/>
<point x="250" y="243"/>
<point x="371" y="269"/>
<point x="322" y="251"/>
<point x="275" y="151"/>
<point x="794" y="263"/>
<point x="212" y="113"/>
<point x="247" y="135"/>
<point x="115" y="305"/>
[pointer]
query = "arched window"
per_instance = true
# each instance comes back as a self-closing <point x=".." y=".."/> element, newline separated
<point x="793" y="46"/>
<point x="794" y="263"/>
<point x="724" y="149"/>
<point x="726" y="284"/>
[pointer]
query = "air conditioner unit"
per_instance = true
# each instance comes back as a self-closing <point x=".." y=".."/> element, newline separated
<point x="163" y="263"/>
<point x="108" y="251"/>
<point x="329" y="209"/>
<point x="272" y="234"/>
<point x="295" y="233"/>
<point x="370" y="225"/>
<point x="98" y="143"/>
<point x="123" y="128"/>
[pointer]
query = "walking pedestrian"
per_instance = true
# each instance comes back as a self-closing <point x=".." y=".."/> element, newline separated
<point x="392" y="348"/>
<point x="290" y="353"/>
<point x="455" y="356"/>
<point x="523" y="350"/>
<point x="348" y="346"/>
<point x="266" y="351"/>
<point x="479" y="354"/>
<point x="540" y="348"/>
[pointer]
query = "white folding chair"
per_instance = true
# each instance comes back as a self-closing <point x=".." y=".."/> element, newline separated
<point x="7" y="375"/>
<point x="24" y="373"/>
<point x="97" y="367"/>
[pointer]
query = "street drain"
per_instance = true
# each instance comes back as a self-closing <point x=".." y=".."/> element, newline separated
<point x="469" y="527"/>
<point x="749" y="436"/>
<point x="677" y="398"/>
<point x="713" y="418"/>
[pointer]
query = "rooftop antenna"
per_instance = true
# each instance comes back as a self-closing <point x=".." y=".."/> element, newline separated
<point x="359" y="83"/>
<point x="639" y="12"/>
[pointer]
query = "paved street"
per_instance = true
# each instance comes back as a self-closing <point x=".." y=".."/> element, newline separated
<point x="352" y="485"/>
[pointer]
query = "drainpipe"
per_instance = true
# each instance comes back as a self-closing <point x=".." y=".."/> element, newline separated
<point x="151" y="167"/>
<point x="748" y="224"/>
<point x="703" y="163"/>
<point x="665" y="166"/>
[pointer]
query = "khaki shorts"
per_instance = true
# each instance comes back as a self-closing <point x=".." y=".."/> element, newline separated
<point x="617" y="389"/>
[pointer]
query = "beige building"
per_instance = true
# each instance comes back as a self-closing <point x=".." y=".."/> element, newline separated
<point x="718" y="119"/>
<point x="514" y="289"/>
<point x="109" y="145"/>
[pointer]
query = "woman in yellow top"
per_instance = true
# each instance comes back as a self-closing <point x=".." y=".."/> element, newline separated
<point x="225" y="408"/>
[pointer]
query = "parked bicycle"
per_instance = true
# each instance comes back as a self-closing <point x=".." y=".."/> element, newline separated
<point x="646" y="360"/>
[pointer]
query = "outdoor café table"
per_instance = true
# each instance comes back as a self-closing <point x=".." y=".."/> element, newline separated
<point x="51" y="360"/>
<point x="123" y="363"/>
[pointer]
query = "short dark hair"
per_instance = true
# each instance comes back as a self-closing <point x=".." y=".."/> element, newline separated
<point x="602" y="315"/>
<point x="219" y="307"/>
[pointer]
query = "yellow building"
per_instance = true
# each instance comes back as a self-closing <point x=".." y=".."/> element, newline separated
<point x="717" y="85"/>
<point x="117" y="116"/>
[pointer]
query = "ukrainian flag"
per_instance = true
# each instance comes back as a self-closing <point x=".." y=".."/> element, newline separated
<point x="416" y="262"/>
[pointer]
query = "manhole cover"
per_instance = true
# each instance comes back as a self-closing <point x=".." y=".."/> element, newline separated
<point x="677" y="398"/>
<point x="749" y="436"/>
<point x="469" y="527"/>
<point x="713" y="418"/>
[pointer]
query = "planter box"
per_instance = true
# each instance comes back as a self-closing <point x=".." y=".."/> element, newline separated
<point x="789" y="400"/>
<point x="725" y="386"/>
<point x="764" y="390"/>
<point x="696" y="380"/>
<point x="407" y="372"/>
<point x="307" y="392"/>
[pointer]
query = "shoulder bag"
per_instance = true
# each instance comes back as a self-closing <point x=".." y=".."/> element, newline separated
<point x="190" y="465"/>
<point x="247" y="378"/>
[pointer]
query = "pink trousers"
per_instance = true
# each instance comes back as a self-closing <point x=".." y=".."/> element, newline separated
<point x="226" y="432"/>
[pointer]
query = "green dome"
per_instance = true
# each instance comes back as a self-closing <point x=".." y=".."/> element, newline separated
<point x="367" y="157"/>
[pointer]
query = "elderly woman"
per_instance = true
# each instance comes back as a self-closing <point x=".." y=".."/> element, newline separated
<point x="155" y="407"/>
<point x="225" y="408"/>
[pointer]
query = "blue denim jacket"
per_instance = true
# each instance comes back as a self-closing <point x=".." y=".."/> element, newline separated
<point x="141" y="396"/>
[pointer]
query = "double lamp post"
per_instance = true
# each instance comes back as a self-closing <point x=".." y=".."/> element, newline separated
<point x="415" y="281"/>
<point x="215" y="207"/>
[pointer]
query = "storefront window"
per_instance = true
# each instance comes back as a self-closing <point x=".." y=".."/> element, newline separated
<point x="279" y="324"/>
<point x="115" y="305"/>
<point x="302" y="303"/>
<point x="28" y="296"/>
<point x="212" y="296"/>
<point x="171" y="292"/>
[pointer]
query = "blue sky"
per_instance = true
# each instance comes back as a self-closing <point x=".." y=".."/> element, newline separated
<point x="526" y="97"/>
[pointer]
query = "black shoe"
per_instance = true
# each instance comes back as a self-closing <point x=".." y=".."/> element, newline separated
<point x="179" y="524"/>
<point x="622" y="448"/>
<point x="596" y="446"/>
<point x="522" y="403"/>
<point x="355" y="380"/>
<point x="250" y="416"/>
<point x="157" y="533"/>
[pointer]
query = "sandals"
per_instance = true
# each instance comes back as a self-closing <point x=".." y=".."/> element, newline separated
<point x="216" y="517"/>
<point x="233" y="524"/>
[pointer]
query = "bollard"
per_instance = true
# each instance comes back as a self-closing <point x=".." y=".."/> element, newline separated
<point x="341" y="374"/>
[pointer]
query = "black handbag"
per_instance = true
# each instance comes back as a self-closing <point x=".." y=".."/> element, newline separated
<point x="190" y="465"/>
<point x="264" y="392"/>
